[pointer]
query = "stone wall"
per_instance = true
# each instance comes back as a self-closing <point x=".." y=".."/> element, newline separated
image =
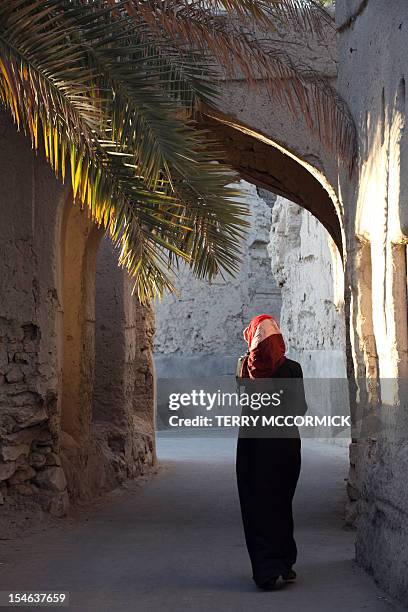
<point x="118" y="404"/>
<point x="50" y="450"/>
<point x="29" y="303"/>
<point x="373" y="59"/>
<point x="307" y="267"/>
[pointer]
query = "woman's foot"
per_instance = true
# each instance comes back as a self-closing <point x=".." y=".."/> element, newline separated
<point x="289" y="576"/>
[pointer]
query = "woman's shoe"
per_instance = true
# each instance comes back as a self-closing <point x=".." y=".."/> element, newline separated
<point x="269" y="585"/>
<point x="289" y="576"/>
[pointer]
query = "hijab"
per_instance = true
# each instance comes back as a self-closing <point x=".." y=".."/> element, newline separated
<point x="266" y="347"/>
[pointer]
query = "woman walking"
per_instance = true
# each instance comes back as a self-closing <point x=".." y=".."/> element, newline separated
<point x="268" y="467"/>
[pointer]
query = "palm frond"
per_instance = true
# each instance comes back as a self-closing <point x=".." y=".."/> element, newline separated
<point x="90" y="119"/>
<point x="239" y="46"/>
<point x="299" y="14"/>
<point x="302" y="15"/>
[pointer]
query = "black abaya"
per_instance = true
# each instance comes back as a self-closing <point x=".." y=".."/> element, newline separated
<point x="267" y="473"/>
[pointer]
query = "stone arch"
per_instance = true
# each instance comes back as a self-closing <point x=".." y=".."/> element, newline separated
<point x="263" y="161"/>
<point x="107" y="392"/>
<point x="275" y="150"/>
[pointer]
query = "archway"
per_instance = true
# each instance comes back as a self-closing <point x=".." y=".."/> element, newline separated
<point x="275" y="151"/>
<point x="261" y="160"/>
<point x="107" y="392"/>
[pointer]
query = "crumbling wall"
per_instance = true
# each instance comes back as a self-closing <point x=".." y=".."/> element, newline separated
<point x="291" y="269"/>
<point x="118" y="442"/>
<point x="50" y="451"/>
<point x="307" y="267"/>
<point x="373" y="57"/>
<point x="30" y="199"/>
<point x="290" y="252"/>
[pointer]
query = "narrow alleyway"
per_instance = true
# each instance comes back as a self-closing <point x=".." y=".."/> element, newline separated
<point x="175" y="542"/>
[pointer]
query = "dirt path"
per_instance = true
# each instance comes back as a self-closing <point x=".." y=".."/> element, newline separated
<point x="175" y="543"/>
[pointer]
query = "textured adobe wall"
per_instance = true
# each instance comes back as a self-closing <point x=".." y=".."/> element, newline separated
<point x="30" y="201"/>
<point x="373" y="56"/>
<point x="79" y="241"/>
<point x="307" y="266"/>
<point x="124" y="337"/>
<point x="116" y="435"/>
<point x="50" y="452"/>
<point x="308" y="269"/>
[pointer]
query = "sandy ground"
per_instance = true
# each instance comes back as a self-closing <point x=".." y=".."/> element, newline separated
<point x="175" y="542"/>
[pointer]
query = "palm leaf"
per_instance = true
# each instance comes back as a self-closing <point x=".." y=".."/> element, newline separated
<point x="237" y="46"/>
<point x="73" y="112"/>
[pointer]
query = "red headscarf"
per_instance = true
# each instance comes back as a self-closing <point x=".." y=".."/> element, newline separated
<point x="266" y="347"/>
